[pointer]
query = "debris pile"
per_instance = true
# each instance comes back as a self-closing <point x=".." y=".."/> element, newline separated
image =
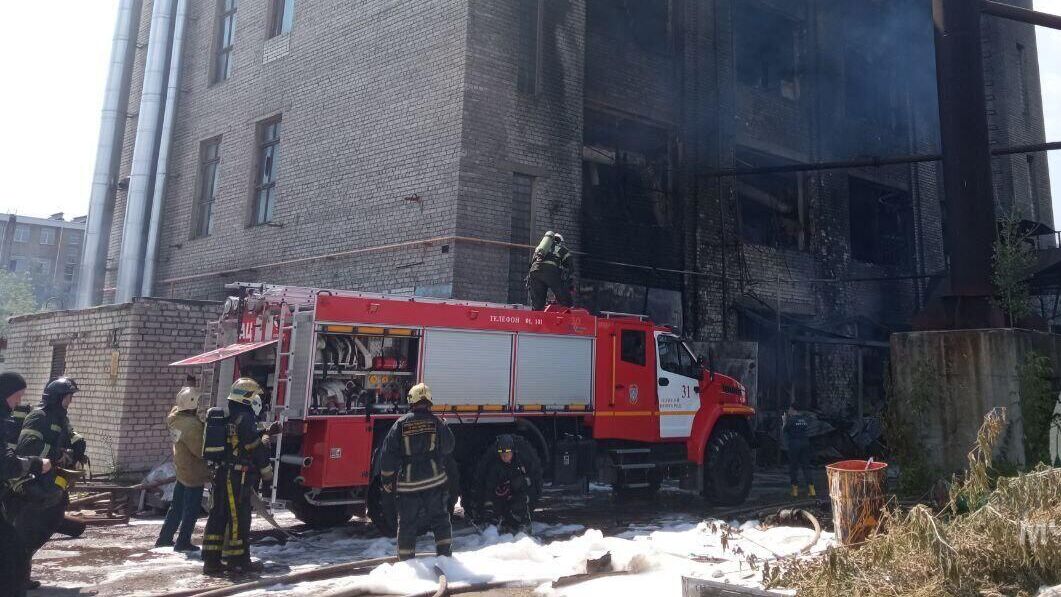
<point x="996" y="536"/>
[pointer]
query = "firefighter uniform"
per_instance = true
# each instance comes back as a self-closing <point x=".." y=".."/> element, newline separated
<point x="505" y="487"/>
<point x="550" y="270"/>
<point x="246" y="462"/>
<point x="413" y="463"/>
<point x="13" y="556"/>
<point x="47" y="433"/>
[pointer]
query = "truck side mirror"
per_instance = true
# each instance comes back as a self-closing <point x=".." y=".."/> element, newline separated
<point x="708" y="363"/>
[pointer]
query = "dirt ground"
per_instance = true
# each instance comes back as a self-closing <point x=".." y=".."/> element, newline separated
<point x="119" y="560"/>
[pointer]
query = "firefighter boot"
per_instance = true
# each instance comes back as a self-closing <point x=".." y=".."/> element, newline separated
<point x="810" y="490"/>
<point x="795" y="491"/>
<point x="245" y="566"/>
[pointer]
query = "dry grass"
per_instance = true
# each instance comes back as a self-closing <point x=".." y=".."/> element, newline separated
<point x="974" y="547"/>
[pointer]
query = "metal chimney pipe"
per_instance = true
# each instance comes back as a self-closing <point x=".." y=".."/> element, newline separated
<point x="166" y="140"/>
<point x="108" y="151"/>
<point x="134" y="229"/>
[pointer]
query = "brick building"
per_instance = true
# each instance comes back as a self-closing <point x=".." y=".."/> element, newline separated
<point x="48" y="251"/>
<point x="418" y="147"/>
<point x="119" y="355"/>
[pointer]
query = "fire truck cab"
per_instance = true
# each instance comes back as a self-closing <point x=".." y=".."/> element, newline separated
<point x="611" y="398"/>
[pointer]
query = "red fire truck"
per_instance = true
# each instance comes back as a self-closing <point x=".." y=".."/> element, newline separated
<point x="612" y="398"/>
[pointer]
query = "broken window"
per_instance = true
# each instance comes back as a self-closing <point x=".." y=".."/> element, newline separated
<point x="767" y="49"/>
<point x="226" y="33"/>
<point x="265" y="185"/>
<point x="283" y="17"/>
<point x="881" y="221"/>
<point x="645" y="22"/>
<point x="771" y="205"/>
<point x="209" y="172"/>
<point x="529" y="56"/>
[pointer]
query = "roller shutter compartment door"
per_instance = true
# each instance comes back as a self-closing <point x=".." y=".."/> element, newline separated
<point x="468" y="367"/>
<point x="554" y="371"/>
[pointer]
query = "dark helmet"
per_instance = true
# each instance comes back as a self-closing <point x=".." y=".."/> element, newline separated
<point x="506" y="443"/>
<point x="58" y="388"/>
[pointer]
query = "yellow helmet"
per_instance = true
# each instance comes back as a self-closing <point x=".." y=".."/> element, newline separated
<point x="419" y="393"/>
<point x="188" y="398"/>
<point x="247" y="391"/>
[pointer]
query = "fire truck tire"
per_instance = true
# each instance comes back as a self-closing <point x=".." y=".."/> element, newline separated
<point x="320" y="517"/>
<point x="728" y="468"/>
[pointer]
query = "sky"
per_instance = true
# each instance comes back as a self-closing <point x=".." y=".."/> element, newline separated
<point x="53" y="95"/>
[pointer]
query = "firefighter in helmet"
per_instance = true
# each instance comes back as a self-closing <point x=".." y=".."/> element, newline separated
<point x="186" y="429"/>
<point x="47" y="433"/>
<point x="244" y="461"/>
<point x="505" y="486"/>
<point x="413" y="464"/>
<point x="13" y="556"/>
<point x="550" y="270"/>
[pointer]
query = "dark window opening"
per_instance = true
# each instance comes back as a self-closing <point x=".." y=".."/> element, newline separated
<point x="283" y="17"/>
<point x="520" y="234"/>
<point x="646" y="22"/>
<point x="58" y="366"/>
<point x="265" y="179"/>
<point x="1022" y="79"/>
<point x="633" y="347"/>
<point x="530" y="47"/>
<point x="1033" y="188"/>
<point x="767" y="49"/>
<point x="209" y="172"/>
<point x="226" y="34"/>
<point x="881" y="223"/>
<point x="771" y="206"/>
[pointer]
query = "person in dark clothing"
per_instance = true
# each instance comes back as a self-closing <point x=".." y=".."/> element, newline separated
<point x="192" y="473"/>
<point x="795" y="429"/>
<point x="550" y="270"/>
<point x="413" y="463"/>
<point x="505" y="488"/>
<point x="247" y="462"/>
<point x="47" y="433"/>
<point x="14" y="558"/>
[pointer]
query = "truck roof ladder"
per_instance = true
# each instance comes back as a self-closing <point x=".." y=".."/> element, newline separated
<point x="618" y="315"/>
<point x="299" y="294"/>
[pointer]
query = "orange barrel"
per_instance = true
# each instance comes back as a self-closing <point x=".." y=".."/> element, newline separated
<point x="856" y="488"/>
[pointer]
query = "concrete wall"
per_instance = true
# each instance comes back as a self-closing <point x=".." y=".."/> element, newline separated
<point x="120" y="411"/>
<point x="971" y="372"/>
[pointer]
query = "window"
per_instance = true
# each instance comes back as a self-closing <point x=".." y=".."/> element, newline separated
<point x="766" y="45"/>
<point x="530" y="29"/>
<point x="226" y="33"/>
<point x="881" y="223"/>
<point x="47" y="236"/>
<point x="1022" y="79"/>
<point x="771" y="205"/>
<point x="265" y="178"/>
<point x="17" y="265"/>
<point x="73" y="256"/>
<point x="675" y="358"/>
<point x="209" y="171"/>
<point x="58" y="367"/>
<point x="73" y="238"/>
<point x="1033" y="188"/>
<point x="283" y="17"/>
<point x="645" y="22"/>
<point x="22" y="233"/>
<point x="69" y="272"/>
<point x="520" y="234"/>
<point x="633" y="347"/>
<point x="41" y="267"/>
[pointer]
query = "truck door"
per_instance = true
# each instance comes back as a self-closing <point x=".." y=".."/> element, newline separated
<point x="626" y="400"/>
<point x="679" y="389"/>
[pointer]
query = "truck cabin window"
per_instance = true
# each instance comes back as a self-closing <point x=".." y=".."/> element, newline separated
<point x="633" y="347"/>
<point x="674" y="357"/>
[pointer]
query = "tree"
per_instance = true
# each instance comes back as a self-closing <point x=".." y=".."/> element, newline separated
<point x="16" y="297"/>
<point x="1011" y="263"/>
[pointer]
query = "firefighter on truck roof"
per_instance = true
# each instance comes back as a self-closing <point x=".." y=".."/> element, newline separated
<point x="550" y="270"/>
<point x="413" y="463"/>
<point x="241" y="459"/>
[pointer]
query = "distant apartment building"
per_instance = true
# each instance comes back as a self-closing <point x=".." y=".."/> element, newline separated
<point x="47" y="251"/>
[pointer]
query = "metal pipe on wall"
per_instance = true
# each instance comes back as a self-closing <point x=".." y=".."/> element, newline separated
<point x="134" y="228"/>
<point x="108" y="150"/>
<point x="166" y="140"/>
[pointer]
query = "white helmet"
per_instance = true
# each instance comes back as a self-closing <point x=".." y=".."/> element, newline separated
<point x="559" y="237"/>
<point x="188" y="398"/>
<point x="419" y="393"/>
<point x="247" y="391"/>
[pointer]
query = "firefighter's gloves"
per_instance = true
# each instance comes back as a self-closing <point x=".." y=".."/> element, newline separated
<point x="387" y="482"/>
<point x="267" y="473"/>
<point x="274" y="429"/>
<point x="503" y="490"/>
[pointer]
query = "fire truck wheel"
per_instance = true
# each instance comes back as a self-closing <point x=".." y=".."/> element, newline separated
<point x="320" y="517"/>
<point x="382" y="510"/>
<point x="727" y="468"/>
